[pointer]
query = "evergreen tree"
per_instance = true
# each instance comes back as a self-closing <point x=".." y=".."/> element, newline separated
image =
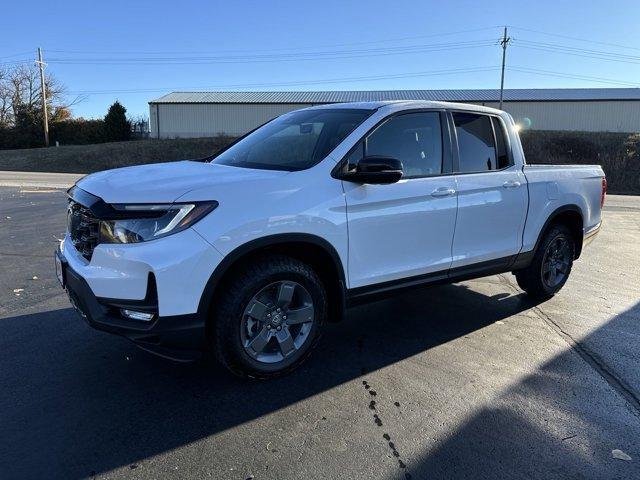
<point x="117" y="127"/>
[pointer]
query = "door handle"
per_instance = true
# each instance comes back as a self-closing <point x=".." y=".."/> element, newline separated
<point x="511" y="184"/>
<point x="443" y="192"/>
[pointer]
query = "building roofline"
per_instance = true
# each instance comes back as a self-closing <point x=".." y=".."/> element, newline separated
<point x="156" y="102"/>
<point x="345" y="96"/>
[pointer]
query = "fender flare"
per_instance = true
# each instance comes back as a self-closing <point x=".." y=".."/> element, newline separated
<point x="553" y="215"/>
<point x="251" y="246"/>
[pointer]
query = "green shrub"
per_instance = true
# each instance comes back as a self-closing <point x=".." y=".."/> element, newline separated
<point x="78" y="132"/>
<point x="617" y="153"/>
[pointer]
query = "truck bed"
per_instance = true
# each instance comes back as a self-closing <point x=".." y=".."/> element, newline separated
<point x="556" y="186"/>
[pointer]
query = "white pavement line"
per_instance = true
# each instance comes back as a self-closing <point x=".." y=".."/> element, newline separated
<point x="39" y="190"/>
<point x="57" y="186"/>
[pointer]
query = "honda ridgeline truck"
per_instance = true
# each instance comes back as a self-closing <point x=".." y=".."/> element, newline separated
<point x="249" y="252"/>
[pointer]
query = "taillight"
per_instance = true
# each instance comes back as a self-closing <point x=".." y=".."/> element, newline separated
<point x="604" y="191"/>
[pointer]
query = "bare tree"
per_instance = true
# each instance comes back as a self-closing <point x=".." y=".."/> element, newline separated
<point x="6" y="96"/>
<point x="20" y="90"/>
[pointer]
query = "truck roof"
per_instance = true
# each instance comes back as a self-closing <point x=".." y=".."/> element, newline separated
<point x="399" y="105"/>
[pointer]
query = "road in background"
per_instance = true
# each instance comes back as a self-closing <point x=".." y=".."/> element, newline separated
<point x="470" y="380"/>
<point x="38" y="179"/>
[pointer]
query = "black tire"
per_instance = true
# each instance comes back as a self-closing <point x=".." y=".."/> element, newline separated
<point x="535" y="278"/>
<point x="231" y="317"/>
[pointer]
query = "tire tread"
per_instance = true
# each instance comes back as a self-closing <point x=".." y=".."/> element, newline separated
<point x="529" y="278"/>
<point x="241" y="282"/>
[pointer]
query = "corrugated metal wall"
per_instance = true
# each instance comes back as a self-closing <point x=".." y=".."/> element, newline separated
<point x="206" y="120"/>
<point x="609" y="116"/>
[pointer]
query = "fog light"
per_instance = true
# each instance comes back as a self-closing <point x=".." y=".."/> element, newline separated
<point x="133" y="315"/>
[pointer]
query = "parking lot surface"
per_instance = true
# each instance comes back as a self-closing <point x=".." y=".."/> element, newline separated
<point x="470" y="380"/>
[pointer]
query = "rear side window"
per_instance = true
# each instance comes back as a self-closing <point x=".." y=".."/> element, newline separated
<point x="413" y="138"/>
<point x="476" y="144"/>
<point x="501" y="143"/>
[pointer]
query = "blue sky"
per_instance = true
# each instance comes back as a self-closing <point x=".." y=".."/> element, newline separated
<point x="137" y="51"/>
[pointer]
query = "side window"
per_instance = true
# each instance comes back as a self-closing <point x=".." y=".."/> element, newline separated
<point x="355" y="155"/>
<point x="476" y="145"/>
<point x="414" y="138"/>
<point x="501" y="143"/>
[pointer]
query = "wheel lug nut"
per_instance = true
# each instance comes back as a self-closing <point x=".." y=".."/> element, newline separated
<point x="278" y="310"/>
<point x="268" y="315"/>
<point x="268" y="327"/>
<point x="279" y="328"/>
<point x="284" y="317"/>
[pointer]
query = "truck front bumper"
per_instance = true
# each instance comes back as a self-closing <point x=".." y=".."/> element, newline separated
<point x="178" y="337"/>
<point x="163" y="279"/>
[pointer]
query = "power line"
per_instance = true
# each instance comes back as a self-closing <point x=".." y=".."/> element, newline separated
<point x="369" y="78"/>
<point x="15" y="55"/>
<point x="371" y="42"/>
<point x="573" y="76"/>
<point x="579" y="50"/>
<point x="303" y="82"/>
<point x="575" y="54"/>
<point x="332" y="55"/>
<point x="25" y="61"/>
<point x="300" y="54"/>
<point x="618" y="45"/>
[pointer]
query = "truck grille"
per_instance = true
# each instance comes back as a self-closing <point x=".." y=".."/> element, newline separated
<point x="83" y="228"/>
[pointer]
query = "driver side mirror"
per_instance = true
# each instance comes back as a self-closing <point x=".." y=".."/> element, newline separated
<point x="375" y="170"/>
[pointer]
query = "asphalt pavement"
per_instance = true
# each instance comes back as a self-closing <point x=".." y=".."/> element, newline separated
<point x="470" y="380"/>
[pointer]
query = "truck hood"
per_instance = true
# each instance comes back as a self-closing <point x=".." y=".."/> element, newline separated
<point x="166" y="182"/>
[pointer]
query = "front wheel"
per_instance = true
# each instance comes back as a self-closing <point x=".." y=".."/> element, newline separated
<point x="269" y="317"/>
<point x="551" y="264"/>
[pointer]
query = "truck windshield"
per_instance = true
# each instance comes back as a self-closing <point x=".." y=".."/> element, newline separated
<point x="294" y="141"/>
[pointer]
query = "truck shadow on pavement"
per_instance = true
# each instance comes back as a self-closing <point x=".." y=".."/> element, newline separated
<point x="76" y="402"/>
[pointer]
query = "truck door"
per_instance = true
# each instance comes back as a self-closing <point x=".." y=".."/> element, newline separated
<point x="492" y="191"/>
<point x="403" y="229"/>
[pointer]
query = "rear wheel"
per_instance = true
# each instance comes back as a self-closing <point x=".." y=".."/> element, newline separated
<point x="269" y="317"/>
<point x="551" y="264"/>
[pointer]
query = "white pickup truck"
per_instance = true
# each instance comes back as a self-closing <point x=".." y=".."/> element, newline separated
<point x="248" y="253"/>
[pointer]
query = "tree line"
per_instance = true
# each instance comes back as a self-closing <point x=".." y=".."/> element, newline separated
<point x="21" y="121"/>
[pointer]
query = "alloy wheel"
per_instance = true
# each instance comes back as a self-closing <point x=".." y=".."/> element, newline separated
<point x="556" y="262"/>
<point x="277" y="322"/>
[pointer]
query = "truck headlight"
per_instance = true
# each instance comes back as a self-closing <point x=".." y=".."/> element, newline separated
<point x="140" y="223"/>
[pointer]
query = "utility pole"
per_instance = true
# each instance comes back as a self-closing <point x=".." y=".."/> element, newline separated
<point x="45" y="120"/>
<point x="504" y="42"/>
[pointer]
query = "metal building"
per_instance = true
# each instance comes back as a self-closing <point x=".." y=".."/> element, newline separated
<point x="206" y="114"/>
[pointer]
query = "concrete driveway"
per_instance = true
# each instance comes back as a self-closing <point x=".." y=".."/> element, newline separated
<point x="470" y="380"/>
